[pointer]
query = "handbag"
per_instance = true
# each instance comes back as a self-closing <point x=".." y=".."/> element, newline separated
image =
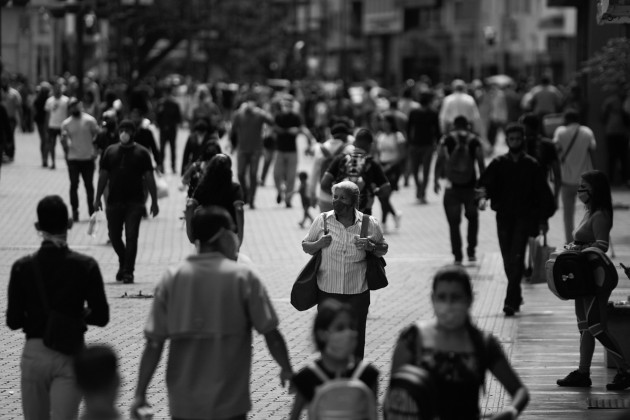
<point x="570" y="275"/>
<point x="63" y="333"/>
<point x="540" y="252"/>
<point x="304" y="290"/>
<point x="161" y="186"/>
<point x="375" y="271"/>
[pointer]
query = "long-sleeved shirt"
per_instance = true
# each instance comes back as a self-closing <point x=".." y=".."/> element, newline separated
<point x="70" y="281"/>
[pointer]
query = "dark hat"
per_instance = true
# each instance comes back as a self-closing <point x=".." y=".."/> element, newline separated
<point x="127" y="125"/>
<point x="340" y="130"/>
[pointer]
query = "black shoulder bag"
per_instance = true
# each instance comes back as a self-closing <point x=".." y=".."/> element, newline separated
<point x="63" y="333"/>
<point x="375" y="272"/>
<point x="304" y="290"/>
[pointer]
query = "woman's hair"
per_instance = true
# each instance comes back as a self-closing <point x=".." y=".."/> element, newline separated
<point x="601" y="197"/>
<point x="216" y="181"/>
<point x="327" y="312"/>
<point x="454" y="274"/>
<point x="208" y="220"/>
<point x="351" y="188"/>
<point x="210" y="150"/>
<point x="391" y="120"/>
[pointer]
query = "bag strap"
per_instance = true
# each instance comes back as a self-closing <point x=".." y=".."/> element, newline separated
<point x="417" y="351"/>
<point x="318" y="372"/>
<point x="360" y="368"/>
<point x="566" y="153"/>
<point x="39" y="281"/>
<point x="325" y="224"/>
<point x="365" y="225"/>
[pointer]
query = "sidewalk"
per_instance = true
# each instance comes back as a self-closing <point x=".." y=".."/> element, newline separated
<point x="272" y="241"/>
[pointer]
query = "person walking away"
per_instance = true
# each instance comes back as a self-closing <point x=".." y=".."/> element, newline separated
<point x="144" y="136"/>
<point x="390" y="146"/>
<point x="288" y="124"/>
<point x="169" y="117"/>
<point x="210" y="356"/>
<point x="5" y="130"/>
<point x="195" y="171"/>
<point x="576" y="146"/>
<point x="304" y="198"/>
<point x="458" y="153"/>
<point x="53" y="295"/>
<point x="39" y="117"/>
<point x="98" y="379"/>
<point x="615" y="116"/>
<point x="124" y="169"/>
<point x="108" y="135"/>
<point x="498" y="113"/>
<point x="247" y="125"/>
<point x="423" y="132"/>
<point x="460" y="103"/>
<point x="335" y="337"/>
<point x="457" y="354"/>
<point x="56" y="112"/>
<point x="592" y="237"/>
<point x="543" y="99"/>
<point x="197" y="141"/>
<point x="341" y="274"/>
<point x="359" y="167"/>
<point x="518" y="192"/>
<point x="77" y="139"/>
<point x="12" y="101"/>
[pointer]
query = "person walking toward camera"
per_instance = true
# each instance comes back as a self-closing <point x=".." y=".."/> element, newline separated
<point x="592" y="236"/>
<point x="53" y="295"/>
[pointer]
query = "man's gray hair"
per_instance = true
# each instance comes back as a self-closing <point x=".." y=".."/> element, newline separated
<point x="349" y="187"/>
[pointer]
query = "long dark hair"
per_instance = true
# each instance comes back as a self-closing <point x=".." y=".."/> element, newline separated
<point x="326" y="314"/>
<point x="601" y="197"/>
<point x="216" y="181"/>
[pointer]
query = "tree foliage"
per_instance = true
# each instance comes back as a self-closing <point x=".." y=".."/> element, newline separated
<point x="610" y="66"/>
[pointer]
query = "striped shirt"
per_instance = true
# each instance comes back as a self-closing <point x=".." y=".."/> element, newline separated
<point x="343" y="266"/>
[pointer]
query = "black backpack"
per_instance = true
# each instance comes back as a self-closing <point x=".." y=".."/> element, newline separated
<point x="571" y="275"/>
<point x="460" y="163"/>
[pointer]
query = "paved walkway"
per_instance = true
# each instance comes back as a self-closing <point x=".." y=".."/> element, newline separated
<point x="272" y="241"/>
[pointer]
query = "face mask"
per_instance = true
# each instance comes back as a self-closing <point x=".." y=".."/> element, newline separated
<point x="517" y="149"/>
<point x="125" y="137"/>
<point x="340" y="207"/>
<point x="584" y="195"/>
<point x="58" y="240"/>
<point x="451" y="316"/>
<point x="341" y="344"/>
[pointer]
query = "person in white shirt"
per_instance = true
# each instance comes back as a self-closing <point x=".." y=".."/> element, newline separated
<point x="575" y="144"/>
<point x="460" y="103"/>
<point x="77" y="136"/>
<point x="56" y="112"/>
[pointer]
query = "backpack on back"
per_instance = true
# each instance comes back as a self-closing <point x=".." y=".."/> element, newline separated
<point x="342" y="398"/>
<point x="328" y="157"/>
<point x="410" y="389"/>
<point x="460" y="164"/>
<point x="353" y="167"/>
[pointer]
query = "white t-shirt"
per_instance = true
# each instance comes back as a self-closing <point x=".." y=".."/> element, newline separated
<point x="58" y="110"/>
<point x="578" y="160"/>
<point x="388" y="146"/>
<point x="81" y="132"/>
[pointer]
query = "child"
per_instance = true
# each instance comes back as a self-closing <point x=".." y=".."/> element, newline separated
<point x="335" y="336"/>
<point x="306" y="201"/>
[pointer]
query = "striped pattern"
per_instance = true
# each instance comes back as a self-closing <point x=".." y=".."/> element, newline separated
<point x="343" y="266"/>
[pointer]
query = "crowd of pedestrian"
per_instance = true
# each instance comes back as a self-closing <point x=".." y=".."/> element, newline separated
<point x="361" y="150"/>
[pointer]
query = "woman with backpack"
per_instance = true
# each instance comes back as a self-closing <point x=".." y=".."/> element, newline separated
<point x="455" y="354"/>
<point x="390" y="146"/>
<point x="592" y="236"/>
<point x="335" y="336"/>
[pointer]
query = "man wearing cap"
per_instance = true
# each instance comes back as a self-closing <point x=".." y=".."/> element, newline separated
<point x="460" y="103"/>
<point x="77" y="139"/>
<point x="124" y="168"/>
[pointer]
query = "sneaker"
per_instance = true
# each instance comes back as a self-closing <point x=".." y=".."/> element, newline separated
<point x="457" y="262"/>
<point x="120" y="274"/>
<point x="576" y="379"/>
<point x="508" y="310"/>
<point x="279" y="198"/>
<point x="423" y="200"/>
<point x="472" y="258"/>
<point x="397" y="219"/>
<point x="127" y="278"/>
<point x="620" y="382"/>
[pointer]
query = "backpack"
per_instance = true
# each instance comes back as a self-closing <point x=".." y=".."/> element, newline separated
<point x="460" y="164"/>
<point x="342" y="398"/>
<point x="354" y="166"/>
<point x="570" y="275"/>
<point x="328" y="158"/>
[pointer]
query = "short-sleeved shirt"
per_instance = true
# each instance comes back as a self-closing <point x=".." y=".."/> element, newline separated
<point x="286" y="142"/>
<point x="594" y="228"/>
<point x="343" y="266"/>
<point x="81" y="132"/>
<point x="57" y="109"/>
<point x="207" y="308"/>
<point x="577" y="160"/>
<point x="306" y="380"/>
<point x="448" y="144"/>
<point x="388" y="146"/>
<point x="126" y="166"/>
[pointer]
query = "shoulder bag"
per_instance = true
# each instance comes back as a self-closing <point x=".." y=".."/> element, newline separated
<point x="375" y="272"/>
<point x="63" y="333"/>
<point x="566" y="153"/>
<point x="304" y="291"/>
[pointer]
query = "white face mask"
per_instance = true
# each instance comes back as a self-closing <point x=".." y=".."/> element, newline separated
<point x="125" y="137"/>
<point x="341" y="344"/>
<point x="58" y="240"/>
<point x="451" y="316"/>
<point x="229" y="246"/>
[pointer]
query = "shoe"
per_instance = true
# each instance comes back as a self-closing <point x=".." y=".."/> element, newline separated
<point x="575" y="379"/>
<point x="620" y="382"/>
<point x="44" y="164"/>
<point x="472" y="258"/>
<point x="457" y="262"/>
<point x="53" y="167"/>
<point x="279" y="198"/>
<point x="127" y="278"/>
<point x="423" y="200"/>
<point x="397" y="219"/>
<point x="120" y="274"/>
<point x="288" y="204"/>
<point x="75" y="217"/>
<point x="508" y="310"/>
<point x="252" y="206"/>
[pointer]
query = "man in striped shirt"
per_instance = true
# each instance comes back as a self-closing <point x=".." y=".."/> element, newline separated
<point x="342" y="271"/>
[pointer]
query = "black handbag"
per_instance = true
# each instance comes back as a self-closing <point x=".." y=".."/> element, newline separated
<point x="375" y="271"/>
<point x="63" y="333"/>
<point x="304" y="290"/>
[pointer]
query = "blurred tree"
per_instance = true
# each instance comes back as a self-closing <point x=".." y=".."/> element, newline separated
<point x="610" y="66"/>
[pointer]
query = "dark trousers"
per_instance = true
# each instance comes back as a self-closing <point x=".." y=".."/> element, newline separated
<point x="168" y="135"/>
<point x="268" y="155"/>
<point x="420" y="155"/>
<point x="360" y="304"/>
<point x="9" y="146"/>
<point x="454" y="200"/>
<point x="51" y="144"/>
<point x="247" y="163"/>
<point x="513" y="232"/>
<point x="127" y="216"/>
<point x="84" y="169"/>
<point x="43" y="142"/>
<point x="618" y="152"/>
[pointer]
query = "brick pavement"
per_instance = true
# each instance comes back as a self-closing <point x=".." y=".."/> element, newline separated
<point x="272" y="241"/>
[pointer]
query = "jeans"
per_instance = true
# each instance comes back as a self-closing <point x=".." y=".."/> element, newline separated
<point x="43" y="142"/>
<point x="248" y="161"/>
<point x="85" y="169"/>
<point x="168" y="135"/>
<point x="9" y="146"/>
<point x="268" y="155"/>
<point x="513" y="232"/>
<point x="48" y="387"/>
<point x="360" y="304"/>
<point x="568" y="193"/>
<point x="284" y="172"/>
<point x="618" y="151"/>
<point x="127" y="215"/>
<point x="51" y="144"/>
<point x="421" y="155"/>
<point x="454" y="200"/>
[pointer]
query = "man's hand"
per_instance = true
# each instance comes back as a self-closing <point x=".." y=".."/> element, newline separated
<point x="324" y="241"/>
<point x="98" y="205"/>
<point x="138" y="402"/>
<point x="285" y="376"/>
<point x="155" y="209"/>
<point x="543" y="227"/>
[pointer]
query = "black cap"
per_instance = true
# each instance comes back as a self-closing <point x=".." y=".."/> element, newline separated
<point x="127" y="125"/>
<point x="340" y="130"/>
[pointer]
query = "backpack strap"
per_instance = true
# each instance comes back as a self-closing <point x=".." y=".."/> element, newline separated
<point x="318" y="371"/>
<point x="359" y="369"/>
<point x="365" y="225"/>
<point x="566" y="153"/>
